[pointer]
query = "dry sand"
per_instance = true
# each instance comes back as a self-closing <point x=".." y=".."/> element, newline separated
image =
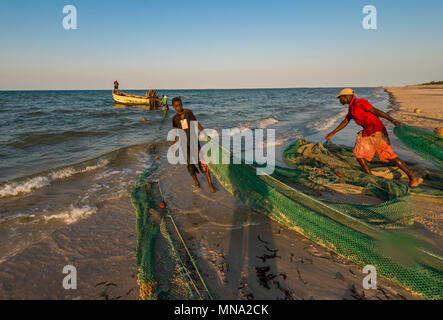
<point x="429" y="99"/>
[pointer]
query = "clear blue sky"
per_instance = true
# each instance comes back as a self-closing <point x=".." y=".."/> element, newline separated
<point x="219" y="44"/>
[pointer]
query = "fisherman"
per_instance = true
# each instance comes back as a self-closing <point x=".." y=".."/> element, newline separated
<point x="374" y="137"/>
<point x="165" y="102"/>
<point x="165" y="107"/>
<point x="182" y="120"/>
<point x="115" y="90"/>
<point x="151" y="99"/>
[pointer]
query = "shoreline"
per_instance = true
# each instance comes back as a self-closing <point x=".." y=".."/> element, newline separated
<point x="223" y="234"/>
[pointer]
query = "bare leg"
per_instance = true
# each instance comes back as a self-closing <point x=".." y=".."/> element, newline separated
<point x="414" y="181"/>
<point x="208" y="176"/>
<point x="197" y="183"/>
<point x="364" y="164"/>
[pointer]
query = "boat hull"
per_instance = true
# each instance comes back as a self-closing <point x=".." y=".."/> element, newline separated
<point x="131" y="100"/>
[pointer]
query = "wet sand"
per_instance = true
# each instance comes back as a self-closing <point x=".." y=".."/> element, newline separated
<point x="245" y="255"/>
<point x="241" y="253"/>
<point x="102" y="248"/>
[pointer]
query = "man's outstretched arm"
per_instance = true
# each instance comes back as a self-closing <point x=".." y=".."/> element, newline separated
<point x="342" y="125"/>
<point x="386" y="116"/>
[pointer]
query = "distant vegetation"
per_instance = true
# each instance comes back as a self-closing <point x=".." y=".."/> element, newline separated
<point x="432" y="82"/>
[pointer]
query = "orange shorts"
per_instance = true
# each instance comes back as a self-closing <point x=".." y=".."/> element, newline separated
<point x="366" y="147"/>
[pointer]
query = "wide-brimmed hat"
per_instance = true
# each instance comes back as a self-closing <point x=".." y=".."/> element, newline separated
<point x="346" y="92"/>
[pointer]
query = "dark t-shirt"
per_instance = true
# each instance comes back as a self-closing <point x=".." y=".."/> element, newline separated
<point x="185" y="124"/>
<point x="183" y="121"/>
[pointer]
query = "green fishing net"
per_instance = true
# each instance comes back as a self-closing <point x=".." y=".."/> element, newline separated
<point x="365" y="234"/>
<point x="426" y="144"/>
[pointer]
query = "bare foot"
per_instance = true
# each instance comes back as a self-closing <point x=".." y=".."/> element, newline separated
<point x="415" y="182"/>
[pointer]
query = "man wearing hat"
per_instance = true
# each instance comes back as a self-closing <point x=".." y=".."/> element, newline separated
<point x="374" y="137"/>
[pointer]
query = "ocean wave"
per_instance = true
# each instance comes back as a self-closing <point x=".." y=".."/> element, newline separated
<point x="72" y="215"/>
<point x="276" y="143"/>
<point x="31" y="139"/>
<point x="20" y="216"/>
<point x="31" y="184"/>
<point x="252" y="125"/>
<point x="325" y="124"/>
<point x="36" y="113"/>
<point x="239" y="130"/>
<point x="264" y="123"/>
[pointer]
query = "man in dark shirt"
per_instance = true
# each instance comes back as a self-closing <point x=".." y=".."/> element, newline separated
<point x="182" y="120"/>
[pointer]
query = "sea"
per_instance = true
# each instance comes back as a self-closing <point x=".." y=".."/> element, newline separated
<point x="64" y="153"/>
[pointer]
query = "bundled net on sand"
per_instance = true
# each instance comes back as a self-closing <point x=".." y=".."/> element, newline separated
<point x="364" y="234"/>
<point x="166" y="269"/>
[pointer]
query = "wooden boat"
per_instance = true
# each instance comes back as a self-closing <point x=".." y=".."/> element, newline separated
<point x="133" y="100"/>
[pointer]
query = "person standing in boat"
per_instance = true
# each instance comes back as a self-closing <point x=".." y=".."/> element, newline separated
<point x="374" y="136"/>
<point x="115" y="90"/>
<point x="182" y="120"/>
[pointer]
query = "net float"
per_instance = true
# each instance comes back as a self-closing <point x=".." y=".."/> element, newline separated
<point x="439" y="132"/>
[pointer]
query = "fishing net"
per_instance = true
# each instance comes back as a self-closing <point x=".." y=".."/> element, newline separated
<point x="427" y="145"/>
<point x="365" y="234"/>
<point x="332" y="167"/>
<point x="166" y="269"/>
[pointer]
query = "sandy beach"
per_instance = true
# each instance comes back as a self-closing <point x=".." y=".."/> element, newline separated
<point x="427" y="98"/>
<point x="232" y="245"/>
<point x="241" y="253"/>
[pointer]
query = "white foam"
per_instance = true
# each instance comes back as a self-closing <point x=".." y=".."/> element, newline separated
<point x="72" y="215"/>
<point x="263" y="124"/>
<point x="35" y="183"/>
<point x="256" y="124"/>
<point x="18" y="216"/>
<point x="325" y="124"/>
<point x="276" y="143"/>
<point x="68" y="216"/>
<point x="16" y="188"/>
<point x="235" y="131"/>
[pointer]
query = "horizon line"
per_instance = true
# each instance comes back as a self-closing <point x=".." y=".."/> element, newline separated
<point x="183" y="89"/>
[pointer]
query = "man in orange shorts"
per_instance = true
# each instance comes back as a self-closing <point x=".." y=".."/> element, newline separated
<point x="374" y="137"/>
